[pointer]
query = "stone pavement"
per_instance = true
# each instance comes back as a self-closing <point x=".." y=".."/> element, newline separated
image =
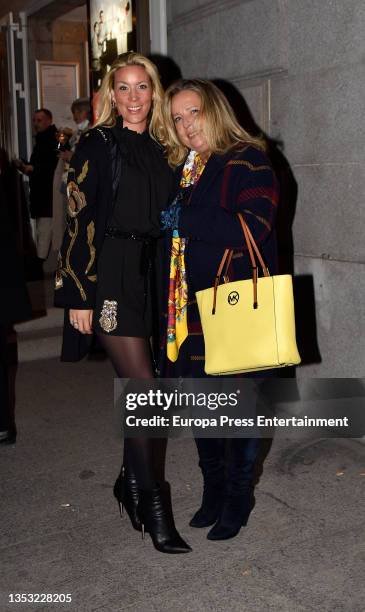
<point x="302" y="550"/>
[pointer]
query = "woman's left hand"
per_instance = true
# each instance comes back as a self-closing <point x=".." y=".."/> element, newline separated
<point x="81" y="320"/>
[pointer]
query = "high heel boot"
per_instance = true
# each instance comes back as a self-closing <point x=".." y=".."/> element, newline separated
<point x="234" y="515"/>
<point x="127" y="494"/>
<point x="239" y="500"/>
<point x="155" y="513"/>
<point x="211" y="505"/>
<point x="212" y="467"/>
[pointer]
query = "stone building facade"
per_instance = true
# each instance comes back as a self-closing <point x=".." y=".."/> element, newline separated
<point x="300" y="66"/>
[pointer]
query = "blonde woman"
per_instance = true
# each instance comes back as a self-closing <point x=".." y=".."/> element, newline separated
<point x="108" y="276"/>
<point x="224" y="170"/>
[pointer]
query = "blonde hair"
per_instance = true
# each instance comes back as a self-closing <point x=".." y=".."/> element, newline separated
<point x="220" y="126"/>
<point x="106" y="113"/>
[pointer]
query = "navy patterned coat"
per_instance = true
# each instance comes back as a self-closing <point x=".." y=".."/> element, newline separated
<point x="239" y="181"/>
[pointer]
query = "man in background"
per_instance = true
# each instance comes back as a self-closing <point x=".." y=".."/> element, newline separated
<point x="40" y="171"/>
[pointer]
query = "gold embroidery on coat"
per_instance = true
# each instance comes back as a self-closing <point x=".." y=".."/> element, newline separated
<point x="76" y="202"/>
<point x="68" y="267"/>
<point x="76" y="199"/>
<point x="59" y="273"/>
<point x="83" y="173"/>
<point x="108" y="317"/>
<point x="90" y="238"/>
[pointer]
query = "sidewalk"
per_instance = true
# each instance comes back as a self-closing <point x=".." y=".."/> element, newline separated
<point x="302" y="550"/>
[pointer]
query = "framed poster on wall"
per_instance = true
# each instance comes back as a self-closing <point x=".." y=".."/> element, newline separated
<point x="112" y="32"/>
<point x="58" y="84"/>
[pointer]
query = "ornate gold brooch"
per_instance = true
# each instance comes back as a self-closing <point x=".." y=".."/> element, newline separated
<point x="108" y="317"/>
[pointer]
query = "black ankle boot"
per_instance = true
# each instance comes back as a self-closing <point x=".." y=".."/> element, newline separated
<point x="211" y="505"/>
<point x="127" y="493"/>
<point x="155" y="513"/>
<point x="234" y="515"/>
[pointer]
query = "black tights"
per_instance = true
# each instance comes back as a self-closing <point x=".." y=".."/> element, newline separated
<point x="143" y="457"/>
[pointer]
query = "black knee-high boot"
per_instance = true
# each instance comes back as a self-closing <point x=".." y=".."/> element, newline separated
<point x="238" y="497"/>
<point x="211" y="462"/>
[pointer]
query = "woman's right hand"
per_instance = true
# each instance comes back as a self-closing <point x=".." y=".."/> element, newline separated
<point x="81" y="320"/>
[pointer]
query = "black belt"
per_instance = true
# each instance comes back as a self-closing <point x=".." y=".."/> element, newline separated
<point x="148" y="252"/>
<point x="114" y="232"/>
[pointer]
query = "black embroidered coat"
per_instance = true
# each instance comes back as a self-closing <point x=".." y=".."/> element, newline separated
<point x="92" y="180"/>
<point x="243" y="182"/>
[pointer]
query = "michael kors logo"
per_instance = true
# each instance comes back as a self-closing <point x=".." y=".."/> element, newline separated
<point x="233" y="298"/>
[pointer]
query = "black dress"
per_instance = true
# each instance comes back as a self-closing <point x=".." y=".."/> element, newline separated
<point x="129" y="264"/>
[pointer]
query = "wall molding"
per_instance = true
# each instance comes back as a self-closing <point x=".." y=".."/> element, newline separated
<point x="261" y="82"/>
<point x="252" y="78"/>
<point x="201" y="12"/>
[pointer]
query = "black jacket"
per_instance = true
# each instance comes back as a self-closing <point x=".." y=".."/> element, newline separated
<point x="92" y="184"/>
<point x="44" y="161"/>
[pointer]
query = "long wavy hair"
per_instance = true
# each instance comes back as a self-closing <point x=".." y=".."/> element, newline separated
<point x="218" y="122"/>
<point x="107" y="113"/>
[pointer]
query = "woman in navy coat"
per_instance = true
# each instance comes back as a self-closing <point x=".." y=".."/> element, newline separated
<point x="224" y="171"/>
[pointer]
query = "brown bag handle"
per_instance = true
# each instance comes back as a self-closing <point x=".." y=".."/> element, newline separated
<point x="227" y="256"/>
<point x="249" y="238"/>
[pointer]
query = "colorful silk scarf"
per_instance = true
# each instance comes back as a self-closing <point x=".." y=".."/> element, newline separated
<point x="177" y="321"/>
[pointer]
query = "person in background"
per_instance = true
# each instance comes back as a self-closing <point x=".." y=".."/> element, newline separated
<point x="40" y="171"/>
<point x="110" y="265"/>
<point x="14" y="305"/>
<point x="81" y="112"/>
<point x="223" y="171"/>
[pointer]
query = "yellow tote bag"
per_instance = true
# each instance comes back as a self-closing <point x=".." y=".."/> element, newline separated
<point x="248" y="325"/>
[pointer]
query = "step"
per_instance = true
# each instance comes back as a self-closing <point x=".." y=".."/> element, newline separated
<point x="40" y="343"/>
<point x="44" y="320"/>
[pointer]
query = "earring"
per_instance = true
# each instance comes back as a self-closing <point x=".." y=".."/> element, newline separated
<point x="113" y="104"/>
